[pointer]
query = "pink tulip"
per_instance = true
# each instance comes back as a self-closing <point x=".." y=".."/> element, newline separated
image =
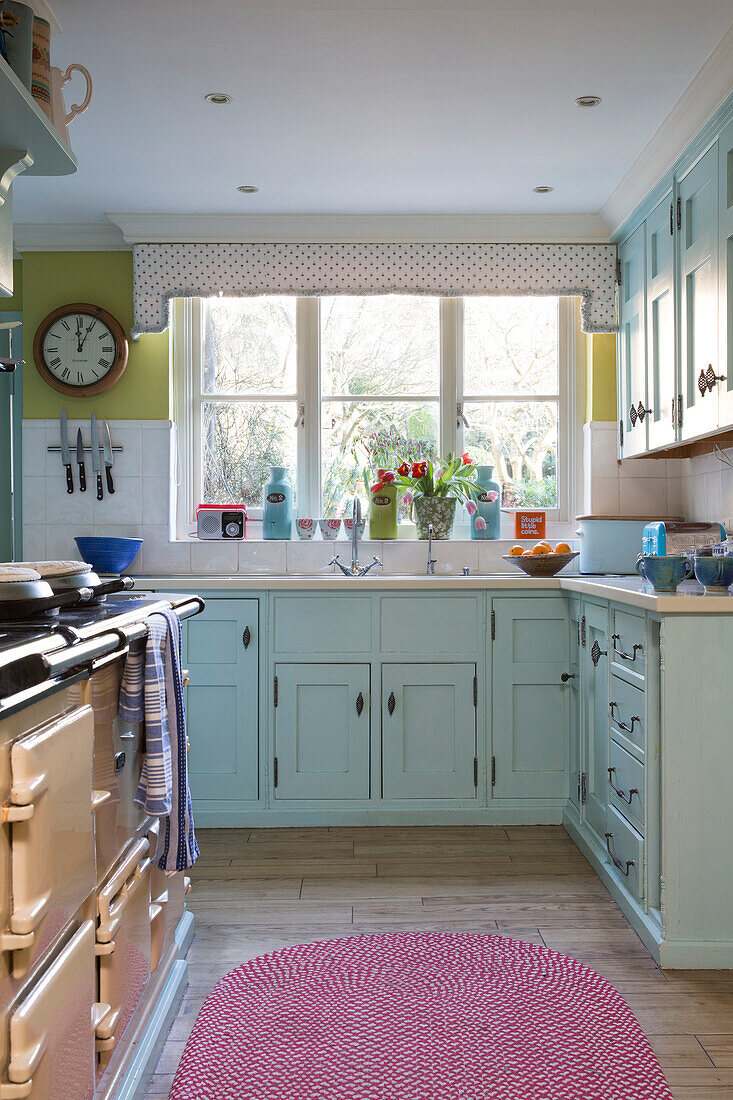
<point x="471" y="507"/>
<point x="438" y="475"/>
<point x="492" y="495"/>
<point x="480" y="524"/>
<point x="408" y="498"/>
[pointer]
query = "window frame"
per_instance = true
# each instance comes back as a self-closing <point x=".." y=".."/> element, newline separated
<point x="187" y="348"/>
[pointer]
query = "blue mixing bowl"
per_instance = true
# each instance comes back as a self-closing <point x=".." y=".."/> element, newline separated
<point x="107" y="554"/>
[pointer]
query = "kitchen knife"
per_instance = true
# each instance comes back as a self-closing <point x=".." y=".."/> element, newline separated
<point x="109" y="458"/>
<point x="96" y="458"/>
<point x="65" y="456"/>
<point x="80" y="462"/>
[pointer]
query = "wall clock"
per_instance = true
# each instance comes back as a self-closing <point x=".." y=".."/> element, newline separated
<point x="80" y="350"/>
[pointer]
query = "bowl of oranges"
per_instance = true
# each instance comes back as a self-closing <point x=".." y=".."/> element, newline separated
<point x="542" y="560"/>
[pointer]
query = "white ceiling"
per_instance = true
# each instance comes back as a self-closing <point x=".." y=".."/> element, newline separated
<point x="365" y="106"/>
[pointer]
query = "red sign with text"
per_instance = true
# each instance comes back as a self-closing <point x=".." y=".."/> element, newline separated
<point x="529" y="525"/>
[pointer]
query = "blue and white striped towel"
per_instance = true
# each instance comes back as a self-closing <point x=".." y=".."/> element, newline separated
<point x="152" y="691"/>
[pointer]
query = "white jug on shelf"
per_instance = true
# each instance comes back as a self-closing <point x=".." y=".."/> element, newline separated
<point x="60" y="117"/>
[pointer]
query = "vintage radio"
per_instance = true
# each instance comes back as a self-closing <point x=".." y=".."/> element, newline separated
<point x="221" y="521"/>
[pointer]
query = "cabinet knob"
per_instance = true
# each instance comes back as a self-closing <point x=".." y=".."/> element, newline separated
<point x="711" y="377"/>
<point x="246" y="637"/>
<point x="702" y="383"/>
<point x="641" y="412"/>
<point x="633" y="415"/>
<point x="596" y="653"/>
<point x="567" y="676"/>
<point x="359" y="704"/>
<point x="391" y="703"/>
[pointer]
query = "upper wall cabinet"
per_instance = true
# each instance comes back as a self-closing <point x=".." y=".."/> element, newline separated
<point x="675" y="350"/>
<point x="28" y="143"/>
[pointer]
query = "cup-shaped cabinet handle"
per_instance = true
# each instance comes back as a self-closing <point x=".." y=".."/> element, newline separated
<point x="391" y="703"/>
<point x="359" y="704"/>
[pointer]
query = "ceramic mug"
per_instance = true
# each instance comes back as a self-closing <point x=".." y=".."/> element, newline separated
<point x="349" y="525"/>
<point x="329" y="528"/>
<point x="306" y="528"/>
<point x="664" y="572"/>
<point x="714" y="574"/>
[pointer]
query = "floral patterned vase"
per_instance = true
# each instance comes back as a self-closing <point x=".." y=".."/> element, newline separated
<point x="436" y="510"/>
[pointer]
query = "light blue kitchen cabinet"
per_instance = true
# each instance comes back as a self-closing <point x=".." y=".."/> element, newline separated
<point x="725" y="279"/>
<point x="221" y="654"/>
<point x="574" y="685"/>
<point x="660" y="324"/>
<point x="322" y="731"/>
<point x="530" y="700"/>
<point x="698" y="260"/>
<point x="594" y="720"/>
<point x="633" y="420"/>
<point x="429" y="731"/>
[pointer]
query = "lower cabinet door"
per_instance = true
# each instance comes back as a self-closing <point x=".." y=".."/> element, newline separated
<point x="322" y="731"/>
<point x="595" y="718"/>
<point x="222" y="703"/>
<point x="428" y="731"/>
<point x="531" y="702"/>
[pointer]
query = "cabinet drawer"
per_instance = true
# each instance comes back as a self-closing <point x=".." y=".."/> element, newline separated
<point x="334" y="625"/>
<point x="626" y="851"/>
<point x="434" y="625"/>
<point x="628" y="644"/>
<point x="626" y="707"/>
<point x="626" y="784"/>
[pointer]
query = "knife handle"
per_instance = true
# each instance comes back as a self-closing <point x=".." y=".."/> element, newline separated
<point x="69" y="478"/>
<point x="110" y="482"/>
<point x="100" y="490"/>
<point x="82" y="478"/>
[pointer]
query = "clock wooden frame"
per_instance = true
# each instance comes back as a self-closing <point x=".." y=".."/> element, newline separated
<point x="119" y="362"/>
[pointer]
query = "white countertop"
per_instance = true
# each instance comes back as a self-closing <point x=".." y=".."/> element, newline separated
<point x="689" y="598"/>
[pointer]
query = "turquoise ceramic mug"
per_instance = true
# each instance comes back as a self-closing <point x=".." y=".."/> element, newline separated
<point x="664" y="572"/>
<point x="714" y="574"/>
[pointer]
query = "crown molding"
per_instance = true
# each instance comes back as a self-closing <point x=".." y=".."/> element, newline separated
<point x="68" y="237"/>
<point x="705" y="93"/>
<point x="368" y="228"/>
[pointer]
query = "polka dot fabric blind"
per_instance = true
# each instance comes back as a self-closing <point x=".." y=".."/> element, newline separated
<point x="166" y="271"/>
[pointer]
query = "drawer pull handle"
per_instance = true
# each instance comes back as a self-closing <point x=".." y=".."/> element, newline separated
<point x="616" y="861"/>
<point x="596" y="653"/>
<point x="359" y="704"/>
<point x="622" y="725"/>
<point x="627" y="798"/>
<point x="391" y="703"/>
<point x="246" y="637"/>
<point x="620" y="653"/>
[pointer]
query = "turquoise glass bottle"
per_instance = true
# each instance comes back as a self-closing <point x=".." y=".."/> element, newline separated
<point x="277" y="513"/>
<point x="488" y="510"/>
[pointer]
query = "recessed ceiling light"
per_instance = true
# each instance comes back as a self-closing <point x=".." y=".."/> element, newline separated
<point x="588" y="100"/>
<point x="218" y="98"/>
<point x="543" y="189"/>
<point x="248" y="189"/>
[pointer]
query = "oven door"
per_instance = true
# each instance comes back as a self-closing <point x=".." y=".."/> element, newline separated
<point x="52" y="833"/>
<point x="50" y="1028"/>
<point x="123" y="945"/>
<point x="117" y="763"/>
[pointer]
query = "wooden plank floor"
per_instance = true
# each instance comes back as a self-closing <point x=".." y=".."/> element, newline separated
<point x="260" y="889"/>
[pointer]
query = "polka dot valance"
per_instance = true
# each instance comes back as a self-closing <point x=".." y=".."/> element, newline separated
<point x="166" y="271"/>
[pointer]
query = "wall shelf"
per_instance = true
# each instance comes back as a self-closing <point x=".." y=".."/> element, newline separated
<point x="24" y="128"/>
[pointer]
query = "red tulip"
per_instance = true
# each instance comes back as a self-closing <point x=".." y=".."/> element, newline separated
<point x="466" y="459"/>
<point x="377" y="487"/>
<point x="404" y="469"/>
<point x="388" y="477"/>
<point x="419" y="469"/>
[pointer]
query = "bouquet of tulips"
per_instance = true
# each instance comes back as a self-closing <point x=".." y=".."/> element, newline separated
<point x="452" y="476"/>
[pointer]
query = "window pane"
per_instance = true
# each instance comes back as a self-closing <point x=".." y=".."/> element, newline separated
<point x="249" y="345"/>
<point x="510" y="346"/>
<point x="519" y="439"/>
<point x="382" y="345"/>
<point x="239" y="443"/>
<point x="373" y="435"/>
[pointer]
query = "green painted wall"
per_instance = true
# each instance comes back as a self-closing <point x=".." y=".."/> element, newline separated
<point x="600" y="390"/>
<point x="51" y="279"/>
<point x="14" y="304"/>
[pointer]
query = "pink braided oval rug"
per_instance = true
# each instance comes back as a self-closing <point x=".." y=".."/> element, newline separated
<point x="417" y="1016"/>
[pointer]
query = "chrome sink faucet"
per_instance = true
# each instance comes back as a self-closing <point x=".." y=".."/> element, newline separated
<point x="431" y="560"/>
<point x="355" y="570"/>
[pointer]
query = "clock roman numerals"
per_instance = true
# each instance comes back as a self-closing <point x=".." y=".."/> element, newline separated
<point x="103" y="362"/>
<point x="66" y="325"/>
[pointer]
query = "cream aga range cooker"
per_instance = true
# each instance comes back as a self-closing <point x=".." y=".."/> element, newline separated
<point x="92" y="934"/>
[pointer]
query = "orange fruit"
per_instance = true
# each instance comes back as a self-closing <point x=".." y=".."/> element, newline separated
<point x="516" y="551"/>
<point x="562" y="548"/>
<point x="547" y="545"/>
<point x="539" y="549"/>
<point x="525" y="552"/>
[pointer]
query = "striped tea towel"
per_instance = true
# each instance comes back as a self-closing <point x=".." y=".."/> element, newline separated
<point x="152" y="690"/>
